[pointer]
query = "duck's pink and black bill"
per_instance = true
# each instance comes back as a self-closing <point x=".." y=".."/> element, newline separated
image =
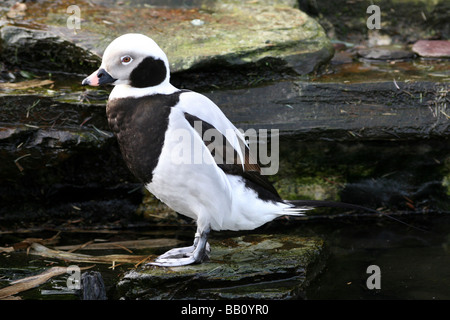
<point x="98" y="78"/>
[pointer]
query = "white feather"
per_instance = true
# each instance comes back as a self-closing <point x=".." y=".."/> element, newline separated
<point x="202" y="107"/>
<point x="248" y="210"/>
<point x="127" y="91"/>
<point x="200" y="191"/>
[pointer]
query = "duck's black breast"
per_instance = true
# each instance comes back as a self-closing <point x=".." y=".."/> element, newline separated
<point x="140" y="125"/>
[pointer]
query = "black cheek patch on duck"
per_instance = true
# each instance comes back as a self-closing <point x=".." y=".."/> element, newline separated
<point x="149" y="73"/>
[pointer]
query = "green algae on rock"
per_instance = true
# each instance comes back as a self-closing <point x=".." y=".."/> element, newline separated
<point x="254" y="266"/>
<point x="247" y="34"/>
<point x="230" y="34"/>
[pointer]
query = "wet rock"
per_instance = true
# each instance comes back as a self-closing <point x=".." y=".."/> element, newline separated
<point x="385" y="53"/>
<point x="242" y="34"/>
<point x="56" y="159"/>
<point x="92" y="286"/>
<point x="342" y="57"/>
<point x="230" y="34"/>
<point x="340" y="111"/>
<point x="44" y="50"/>
<point x="432" y="48"/>
<point x="402" y="21"/>
<point x="254" y="266"/>
<point x="400" y="175"/>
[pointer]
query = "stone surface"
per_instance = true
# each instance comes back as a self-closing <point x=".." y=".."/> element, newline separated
<point x="44" y="50"/>
<point x="225" y="33"/>
<point x="401" y="21"/>
<point x="385" y="53"/>
<point x="432" y="48"/>
<point x="336" y="111"/>
<point x="254" y="266"/>
<point x="55" y="159"/>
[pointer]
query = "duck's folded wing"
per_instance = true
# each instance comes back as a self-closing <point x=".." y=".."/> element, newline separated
<point x="225" y="142"/>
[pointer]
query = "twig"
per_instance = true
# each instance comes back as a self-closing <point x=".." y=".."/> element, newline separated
<point x="32" y="106"/>
<point x="33" y="281"/>
<point x="81" y="246"/>
<point x="122" y="247"/>
<point x="19" y="158"/>
<point x="42" y="251"/>
<point x="142" y="261"/>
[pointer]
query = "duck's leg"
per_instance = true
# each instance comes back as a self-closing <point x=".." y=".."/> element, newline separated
<point x="197" y="253"/>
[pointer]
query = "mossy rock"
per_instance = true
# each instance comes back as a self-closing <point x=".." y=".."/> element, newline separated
<point x="44" y="50"/>
<point x="254" y="266"/>
<point x="228" y="34"/>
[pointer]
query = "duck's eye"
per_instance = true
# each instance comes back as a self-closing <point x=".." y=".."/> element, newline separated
<point x="126" y="60"/>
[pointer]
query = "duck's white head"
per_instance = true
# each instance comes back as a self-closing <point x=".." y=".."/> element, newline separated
<point x="133" y="61"/>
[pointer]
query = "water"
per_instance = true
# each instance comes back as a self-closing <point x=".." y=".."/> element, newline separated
<point x="413" y="264"/>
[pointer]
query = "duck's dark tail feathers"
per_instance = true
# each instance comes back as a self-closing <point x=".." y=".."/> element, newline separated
<point x="329" y="204"/>
<point x="334" y="204"/>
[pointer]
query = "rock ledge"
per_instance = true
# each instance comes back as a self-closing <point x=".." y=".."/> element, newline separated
<point x="247" y="267"/>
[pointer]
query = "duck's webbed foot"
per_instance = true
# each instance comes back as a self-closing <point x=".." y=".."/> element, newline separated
<point x="197" y="253"/>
